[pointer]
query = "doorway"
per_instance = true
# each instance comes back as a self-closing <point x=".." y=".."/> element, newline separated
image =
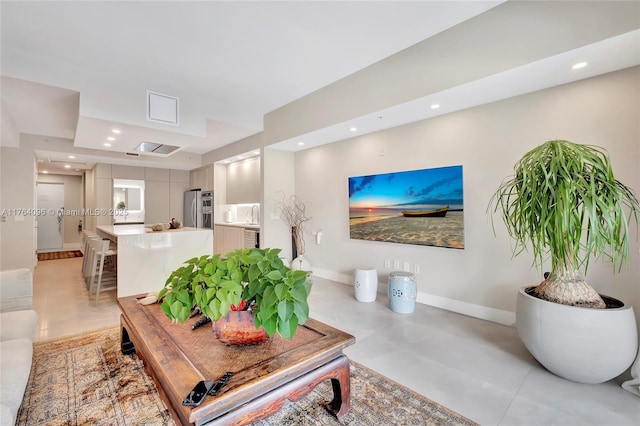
<point x="50" y="227"/>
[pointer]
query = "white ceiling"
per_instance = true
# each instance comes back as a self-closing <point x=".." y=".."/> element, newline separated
<point x="77" y="70"/>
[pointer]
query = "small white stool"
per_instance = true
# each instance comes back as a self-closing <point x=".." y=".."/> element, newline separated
<point x="365" y="284"/>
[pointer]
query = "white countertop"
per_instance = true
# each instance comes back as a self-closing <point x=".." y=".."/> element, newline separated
<point x="238" y="225"/>
<point x="116" y="230"/>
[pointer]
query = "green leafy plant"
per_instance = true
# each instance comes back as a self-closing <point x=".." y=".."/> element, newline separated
<point x="252" y="279"/>
<point x="564" y="201"/>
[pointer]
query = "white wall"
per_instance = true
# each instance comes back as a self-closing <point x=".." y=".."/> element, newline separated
<point x="277" y="170"/>
<point x="17" y="191"/>
<point x="487" y="141"/>
<point x="8" y="131"/>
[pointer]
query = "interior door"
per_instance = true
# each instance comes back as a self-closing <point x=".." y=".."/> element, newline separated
<point x="51" y="224"/>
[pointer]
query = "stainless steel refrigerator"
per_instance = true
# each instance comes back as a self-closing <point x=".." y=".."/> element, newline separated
<point x="193" y="208"/>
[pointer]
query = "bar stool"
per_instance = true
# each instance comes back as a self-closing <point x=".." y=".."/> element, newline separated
<point x="103" y="266"/>
<point x="87" y="259"/>
<point x="83" y="239"/>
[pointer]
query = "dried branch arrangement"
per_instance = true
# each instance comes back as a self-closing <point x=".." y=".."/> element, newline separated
<point x="294" y="213"/>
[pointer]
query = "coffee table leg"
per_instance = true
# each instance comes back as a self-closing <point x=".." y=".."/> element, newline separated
<point x="341" y="384"/>
<point x="126" y="345"/>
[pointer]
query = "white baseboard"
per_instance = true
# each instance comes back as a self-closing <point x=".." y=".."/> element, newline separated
<point x="333" y="276"/>
<point x="470" y="309"/>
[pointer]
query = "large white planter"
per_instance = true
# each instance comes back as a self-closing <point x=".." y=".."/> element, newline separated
<point x="580" y="344"/>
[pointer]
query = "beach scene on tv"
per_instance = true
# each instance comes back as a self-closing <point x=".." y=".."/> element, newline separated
<point x="422" y="207"/>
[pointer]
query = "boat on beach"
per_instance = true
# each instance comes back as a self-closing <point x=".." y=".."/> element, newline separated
<point x="441" y="212"/>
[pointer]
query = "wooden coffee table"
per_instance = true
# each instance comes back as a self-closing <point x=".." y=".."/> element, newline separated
<point x="265" y="375"/>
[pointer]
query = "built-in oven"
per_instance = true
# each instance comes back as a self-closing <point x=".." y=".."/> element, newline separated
<point x="207" y="209"/>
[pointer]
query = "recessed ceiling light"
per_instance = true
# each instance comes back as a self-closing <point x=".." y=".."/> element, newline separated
<point x="435" y="106"/>
<point x="40" y="160"/>
<point x="256" y="152"/>
<point x="354" y="129"/>
<point x="300" y="143"/>
<point x="116" y="131"/>
<point x="72" y="157"/>
<point x="106" y="144"/>
<point x="111" y="138"/>
<point x="45" y="171"/>
<point x="66" y="166"/>
<point x="579" y="65"/>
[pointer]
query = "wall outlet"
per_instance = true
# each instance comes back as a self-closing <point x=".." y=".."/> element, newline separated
<point x="387" y="263"/>
<point x="416" y="269"/>
<point x="407" y="267"/>
<point x="396" y="264"/>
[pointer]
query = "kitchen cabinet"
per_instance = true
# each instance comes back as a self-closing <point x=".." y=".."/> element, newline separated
<point x="243" y="181"/>
<point x="202" y="178"/>
<point x="157" y="202"/>
<point x="227" y="238"/>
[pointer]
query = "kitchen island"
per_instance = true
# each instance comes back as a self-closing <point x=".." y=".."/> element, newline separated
<point x="146" y="258"/>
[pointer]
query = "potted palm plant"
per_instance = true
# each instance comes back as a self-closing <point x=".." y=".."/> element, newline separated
<point x="564" y="202"/>
<point x="249" y="284"/>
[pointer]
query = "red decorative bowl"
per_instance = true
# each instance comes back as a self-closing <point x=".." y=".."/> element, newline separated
<point x="238" y="328"/>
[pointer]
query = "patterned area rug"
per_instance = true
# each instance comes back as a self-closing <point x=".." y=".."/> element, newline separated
<point x="85" y="379"/>
<point x="54" y="255"/>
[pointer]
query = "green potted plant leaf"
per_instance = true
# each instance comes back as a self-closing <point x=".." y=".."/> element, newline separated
<point x="564" y="203"/>
<point x="245" y="280"/>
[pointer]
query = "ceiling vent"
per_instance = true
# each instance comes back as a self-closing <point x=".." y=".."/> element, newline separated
<point x="155" y="148"/>
<point x="162" y="108"/>
<point x="71" y="163"/>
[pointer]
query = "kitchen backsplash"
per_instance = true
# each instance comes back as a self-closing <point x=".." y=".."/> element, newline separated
<point x="239" y="213"/>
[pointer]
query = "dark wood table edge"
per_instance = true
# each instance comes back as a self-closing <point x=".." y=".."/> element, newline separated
<point x="129" y="339"/>
<point x="270" y="403"/>
<point x="333" y="366"/>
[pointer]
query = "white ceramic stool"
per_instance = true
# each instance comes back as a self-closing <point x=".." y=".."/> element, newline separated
<point x="365" y="284"/>
<point x="402" y="292"/>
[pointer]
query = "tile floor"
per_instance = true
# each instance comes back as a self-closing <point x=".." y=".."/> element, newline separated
<point x="477" y="368"/>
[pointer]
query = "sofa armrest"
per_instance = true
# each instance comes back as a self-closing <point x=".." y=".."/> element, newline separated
<point x="16" y="290"/>
<point x="18" y="325"/>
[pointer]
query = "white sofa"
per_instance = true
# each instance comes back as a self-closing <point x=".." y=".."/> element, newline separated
<point x="18" y="323"/>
